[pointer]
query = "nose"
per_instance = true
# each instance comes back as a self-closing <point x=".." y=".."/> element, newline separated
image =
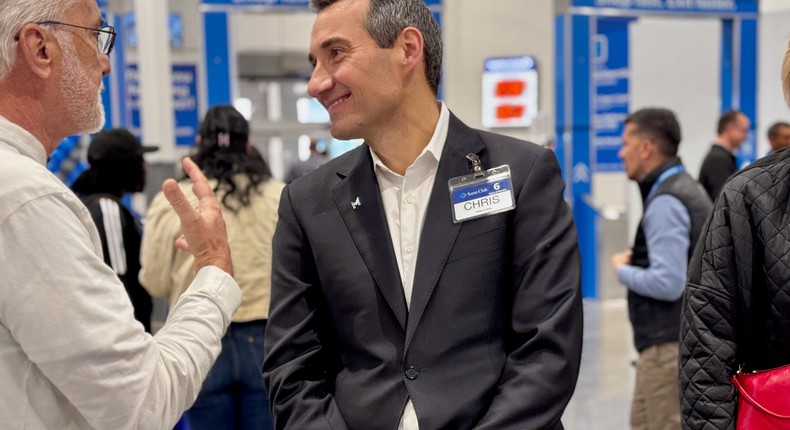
<point x="320" y="81"/>
<point x="105" y="65"/>
<point x="620" y="152"/>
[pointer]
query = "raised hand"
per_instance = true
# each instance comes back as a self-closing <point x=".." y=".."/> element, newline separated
<point x="204" y="229"/>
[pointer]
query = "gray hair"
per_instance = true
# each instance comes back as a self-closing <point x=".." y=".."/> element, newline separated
<point x="17" y="13"/>
<point x="387" y="18"/>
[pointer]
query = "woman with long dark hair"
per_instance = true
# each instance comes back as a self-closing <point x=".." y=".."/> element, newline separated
<point x="233" y="396"/>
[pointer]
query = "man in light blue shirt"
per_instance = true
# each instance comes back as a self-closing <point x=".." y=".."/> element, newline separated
<point x="654" y="269"/>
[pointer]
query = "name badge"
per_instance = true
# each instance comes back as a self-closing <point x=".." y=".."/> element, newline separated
<point x="480" y="194"/>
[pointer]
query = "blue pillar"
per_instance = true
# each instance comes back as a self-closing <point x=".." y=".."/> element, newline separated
<point x="573" y="115"/>
<point x="748" y="86"/>
<point x="118" y="115"/>
<point x="727" y="53"/>
<point x="739" y="77"/>
<point x="218" y="61"/>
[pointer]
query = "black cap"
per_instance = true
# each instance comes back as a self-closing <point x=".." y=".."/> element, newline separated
<point x="118" y="144"/>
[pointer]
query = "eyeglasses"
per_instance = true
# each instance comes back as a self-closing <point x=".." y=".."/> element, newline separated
<point x="105" y="35"/>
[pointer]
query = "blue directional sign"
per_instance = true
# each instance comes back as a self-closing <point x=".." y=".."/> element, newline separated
<point x="679" y="6"/>
<point x="185" y="101"/>
<point x="610" y="82"/>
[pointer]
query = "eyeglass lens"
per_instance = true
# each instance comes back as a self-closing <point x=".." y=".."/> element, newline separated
<point x="105" y="39"/>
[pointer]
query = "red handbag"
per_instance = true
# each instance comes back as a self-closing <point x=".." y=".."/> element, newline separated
<point x="763" y="399"/>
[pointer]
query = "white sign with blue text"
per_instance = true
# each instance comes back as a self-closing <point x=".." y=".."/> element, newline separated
<point x="481" y="194"/>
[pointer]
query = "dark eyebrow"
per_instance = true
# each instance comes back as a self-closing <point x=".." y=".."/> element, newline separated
<point x="331" y="41"/>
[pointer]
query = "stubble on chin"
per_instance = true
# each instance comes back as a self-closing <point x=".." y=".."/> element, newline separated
<point x="99" y="117"/>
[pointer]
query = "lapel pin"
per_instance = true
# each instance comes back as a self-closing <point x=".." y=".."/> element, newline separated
<point x="356" y="203"/>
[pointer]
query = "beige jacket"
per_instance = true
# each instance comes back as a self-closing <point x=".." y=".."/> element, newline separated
<point x="167" y="271"/>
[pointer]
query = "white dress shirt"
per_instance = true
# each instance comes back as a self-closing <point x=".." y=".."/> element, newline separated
<point x="72" y="355"/>
<point x="405" y="199"/>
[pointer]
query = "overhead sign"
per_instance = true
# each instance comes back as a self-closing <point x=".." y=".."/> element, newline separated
<point x="185" y="102"/>
<point x="510" y="91"/>
<point x="685" y="6"/>
<point x="288" y="3"/>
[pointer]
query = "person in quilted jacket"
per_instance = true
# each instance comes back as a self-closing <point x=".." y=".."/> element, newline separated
<point x="736" y="308"/>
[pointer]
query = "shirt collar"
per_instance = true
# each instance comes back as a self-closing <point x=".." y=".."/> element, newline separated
<point x="434" y="147"/>
<point x="21" y="140"/>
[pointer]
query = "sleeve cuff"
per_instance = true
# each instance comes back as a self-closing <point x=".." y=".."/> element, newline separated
<point x="220" y="286"/>
<point x="625" y="274"/>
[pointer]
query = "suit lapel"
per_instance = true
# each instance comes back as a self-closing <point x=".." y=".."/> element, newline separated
<point x="367" y="224"/>
<point x="438" y="231"/>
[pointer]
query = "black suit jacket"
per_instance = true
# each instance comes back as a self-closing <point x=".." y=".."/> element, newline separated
<point x="493" y="336"/>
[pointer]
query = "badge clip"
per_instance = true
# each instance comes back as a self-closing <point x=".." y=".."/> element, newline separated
<point x="476" y="167"/>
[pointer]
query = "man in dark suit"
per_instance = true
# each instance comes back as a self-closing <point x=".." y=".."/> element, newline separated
<point x="402" y="297"/>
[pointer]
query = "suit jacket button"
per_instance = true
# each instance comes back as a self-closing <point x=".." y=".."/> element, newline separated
<point x="412" y="373"/>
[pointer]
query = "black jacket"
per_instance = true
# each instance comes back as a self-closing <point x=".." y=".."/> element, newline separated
<point x="492" y="337"/>
<point x="737" y="302"/>
<point x="120" y="241"/>
<point x="717" y="167"/>
<point x="658" y="321"/>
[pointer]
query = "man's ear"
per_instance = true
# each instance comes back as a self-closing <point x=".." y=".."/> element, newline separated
<point x="412" y="44"/>
<point x="649" y="148"/>
<point x="35" y="49"/>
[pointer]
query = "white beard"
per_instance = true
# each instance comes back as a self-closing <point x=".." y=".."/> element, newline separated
<point x="83" y="106"/>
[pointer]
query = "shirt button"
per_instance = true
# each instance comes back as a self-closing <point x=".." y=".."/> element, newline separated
<point x="409" y="249"/>
<point x="409" y="199"/>
<point x="411" y="373"/>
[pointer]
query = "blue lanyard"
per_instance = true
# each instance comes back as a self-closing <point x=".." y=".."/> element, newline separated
<point x="669" y="172"/>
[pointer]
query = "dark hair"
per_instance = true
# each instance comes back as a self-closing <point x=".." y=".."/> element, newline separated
<point x="116" y="178"/>
<point x="773" y="130"/>
<point x="223" y="153"/>
<point x="387" y="18"/>
<point x="729" y="117"/>
<point x="659" y="125"/>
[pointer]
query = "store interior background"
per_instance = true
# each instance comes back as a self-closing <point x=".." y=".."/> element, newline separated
<point x="675" y="63"/>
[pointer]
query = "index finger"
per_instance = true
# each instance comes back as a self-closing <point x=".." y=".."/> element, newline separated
<point x="200" y="184"/>
<point x="177" y="200"/>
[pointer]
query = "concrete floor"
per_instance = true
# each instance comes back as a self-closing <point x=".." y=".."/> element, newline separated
<point x="603" y="393"/>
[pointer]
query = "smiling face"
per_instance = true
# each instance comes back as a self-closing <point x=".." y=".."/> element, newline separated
<point x="353" y="78"/>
